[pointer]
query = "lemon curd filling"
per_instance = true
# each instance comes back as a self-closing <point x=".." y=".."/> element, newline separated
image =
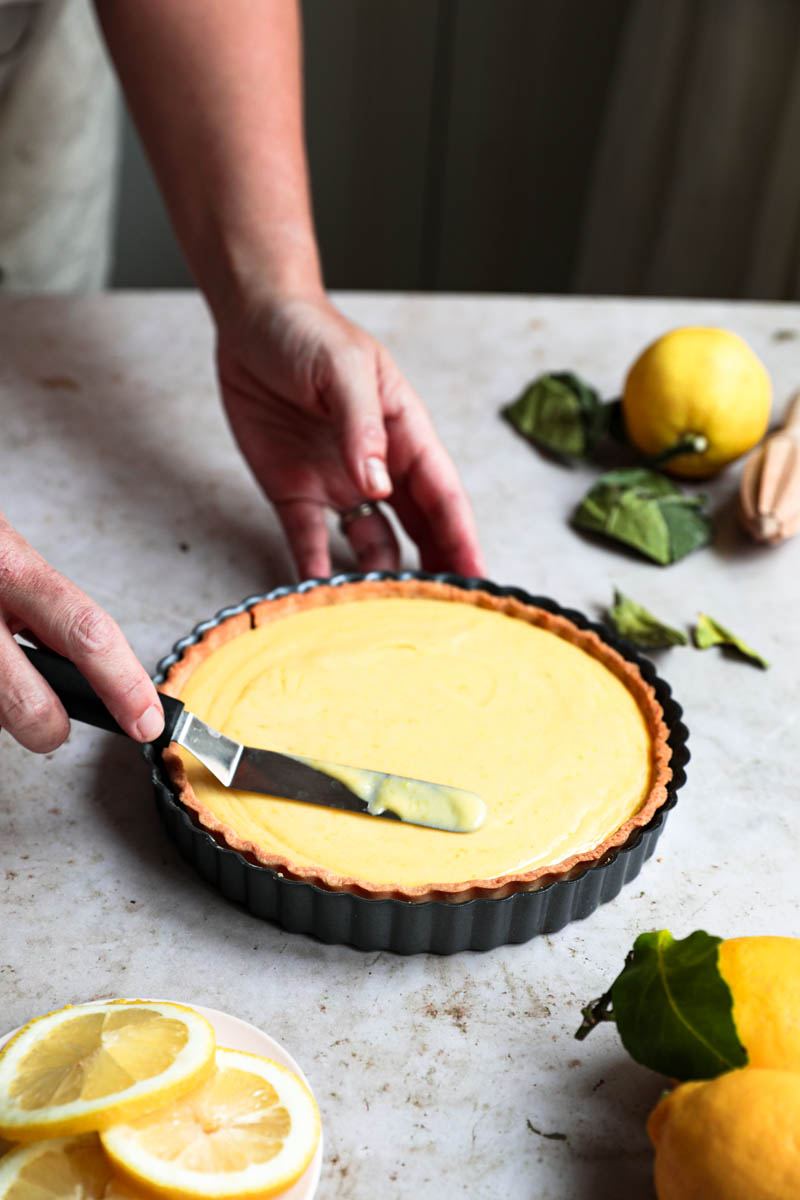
<point x="409" y="799"/>
<point x="457" y="694"/>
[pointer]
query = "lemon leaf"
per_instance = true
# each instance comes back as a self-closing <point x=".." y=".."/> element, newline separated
<point x="641" y="479"/>
<point x="689" y="528"/>
<point x="561" y="413"/>
<point x="638" y="625"/>
<point x="646" y="511"/>
<point x="674" y="1010"/>
<point x="709" y="632"/>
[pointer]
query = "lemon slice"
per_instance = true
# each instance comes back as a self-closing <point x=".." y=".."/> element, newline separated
<point x="89" y="1067"/>
<point x="250" y="1130"/>
<point x="62" y="1169"/>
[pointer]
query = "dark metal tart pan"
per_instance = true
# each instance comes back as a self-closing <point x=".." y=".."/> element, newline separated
<point x="405" y="927"/>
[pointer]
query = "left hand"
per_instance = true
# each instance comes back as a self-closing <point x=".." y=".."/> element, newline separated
<point x="326" y="420"/>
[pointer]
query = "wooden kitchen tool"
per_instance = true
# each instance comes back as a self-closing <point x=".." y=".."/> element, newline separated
<point x="769" y="492"/>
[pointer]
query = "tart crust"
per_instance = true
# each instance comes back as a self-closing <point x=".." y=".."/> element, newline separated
<point x="493" y="888"/>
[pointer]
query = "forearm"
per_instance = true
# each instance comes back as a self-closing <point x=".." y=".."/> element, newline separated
<point x="215" y="87"/>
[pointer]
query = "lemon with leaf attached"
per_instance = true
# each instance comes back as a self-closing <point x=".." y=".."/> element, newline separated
<point x="730" y="1138"/>
<point x="696" y="399"/>
<point x="695" y="1007"/>
<point x="763" y="974"/>
<point x="723" y="1015"/>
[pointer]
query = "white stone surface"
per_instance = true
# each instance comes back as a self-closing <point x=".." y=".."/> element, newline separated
<point x="435" y="1075"/>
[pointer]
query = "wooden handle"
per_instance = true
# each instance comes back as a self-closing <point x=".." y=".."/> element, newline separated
<point x="791" y="423"/>
<point x="769" y="489"/>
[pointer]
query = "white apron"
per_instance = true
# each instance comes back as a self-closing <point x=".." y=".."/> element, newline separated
<point x="58" y="147"/>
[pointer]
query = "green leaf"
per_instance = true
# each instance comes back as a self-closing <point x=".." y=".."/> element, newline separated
<point x="689" y="527"/>
<point x="641" y="479"/>
<point x="709" y="632"/>
<point x="645" y="510"/>
<point x="639" y="626"/>
<point x="673" y="1009"/>
<point x="561" y="413"/>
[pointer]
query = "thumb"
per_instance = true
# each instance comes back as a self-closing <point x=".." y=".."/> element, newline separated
<point x="354" y="402"/>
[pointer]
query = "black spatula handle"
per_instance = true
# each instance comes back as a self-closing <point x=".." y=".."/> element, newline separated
<point x="80" y="699"/>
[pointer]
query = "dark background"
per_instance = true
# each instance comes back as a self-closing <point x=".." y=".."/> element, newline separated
<point x="448" y="140"/>
<point x="452" y="145"/>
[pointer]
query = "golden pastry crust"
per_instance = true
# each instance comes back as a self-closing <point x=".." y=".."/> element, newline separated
<point x="495" y="888"/>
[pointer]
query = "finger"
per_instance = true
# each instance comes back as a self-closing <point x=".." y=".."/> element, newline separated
<point x="429" y="498"/>
<point x="441" y="538"/>
<point x="353" y="398"/>
<point x="29" y="709"/>
<point x="70" y="623"/>
<point x="374" y="543"/>
<point x="303" y="523"/>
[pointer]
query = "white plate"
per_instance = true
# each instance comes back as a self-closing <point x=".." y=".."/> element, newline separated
<point x="234" y="1034"/>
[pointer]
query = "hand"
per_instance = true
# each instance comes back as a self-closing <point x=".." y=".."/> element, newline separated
<point x="37" y="599"/>
<point x="326" y="420"/>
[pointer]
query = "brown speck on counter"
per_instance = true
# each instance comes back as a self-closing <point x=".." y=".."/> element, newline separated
<point x="184" y="547"/>
<point x="342" y="1168"/>
<point x="59" y="383"/>
<point x="553" y="1137"/>
<point x="458" y="1013"/>
<point x="785" y="335"/>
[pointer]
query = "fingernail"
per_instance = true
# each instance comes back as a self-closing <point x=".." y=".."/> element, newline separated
<point x="150" y="723"/>
<point x="377" y="476"/>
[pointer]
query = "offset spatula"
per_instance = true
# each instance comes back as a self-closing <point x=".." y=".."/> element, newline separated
<point x="250" y="769"/>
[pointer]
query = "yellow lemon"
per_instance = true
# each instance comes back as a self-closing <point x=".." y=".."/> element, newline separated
<point x="697" y="385"/>
<point x="763" y="974"/>
<point x="730" y="1138"/>
<point x="62" y="1169"/>
<point x="93" y="1065"/>
<point x="249" y="1131"/>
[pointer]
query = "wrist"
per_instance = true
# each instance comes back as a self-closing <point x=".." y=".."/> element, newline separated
<point x="251" y="270"/>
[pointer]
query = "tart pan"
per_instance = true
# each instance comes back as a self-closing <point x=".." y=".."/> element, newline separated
<point x="405" y="927"/>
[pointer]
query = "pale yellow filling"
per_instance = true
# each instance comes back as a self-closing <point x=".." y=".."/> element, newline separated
<point x="419" y="801"/>
<point x="448" y="692"/>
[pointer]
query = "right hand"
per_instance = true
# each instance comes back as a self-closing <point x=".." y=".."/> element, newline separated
<point x="35" y="598"/>
<point x="315" y="402"/>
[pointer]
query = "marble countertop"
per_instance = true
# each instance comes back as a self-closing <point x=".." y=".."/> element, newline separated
<point x="460" y="1069"/>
